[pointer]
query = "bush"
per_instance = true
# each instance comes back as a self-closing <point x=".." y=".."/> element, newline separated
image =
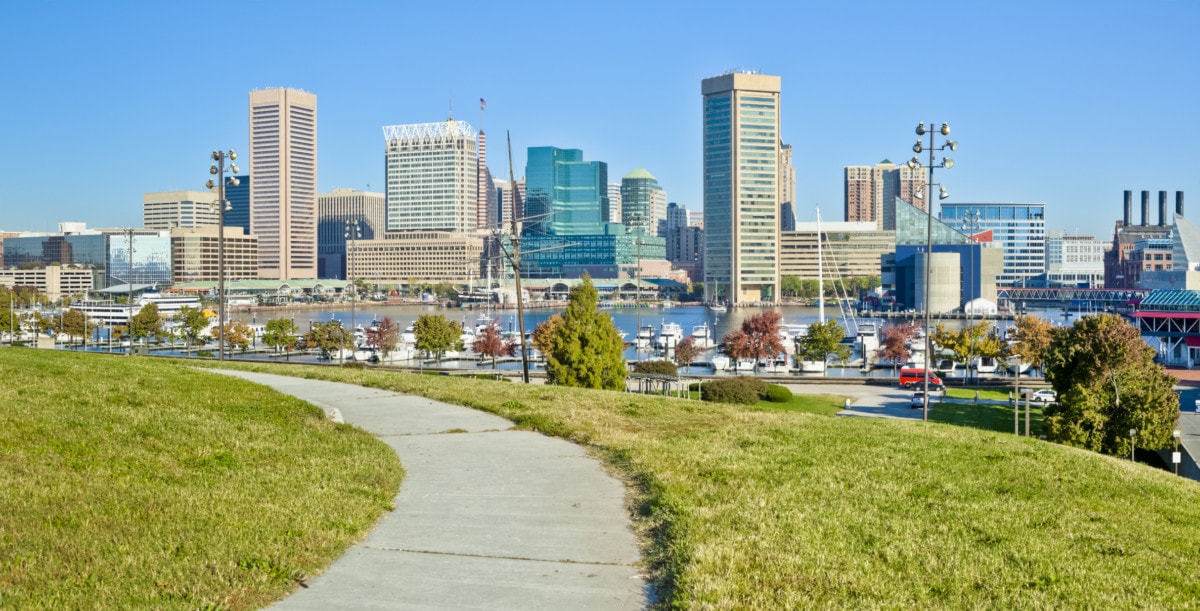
<point x="777" y="394"/>
<point x="665" y="368"/>
<point x="742" y="390"/>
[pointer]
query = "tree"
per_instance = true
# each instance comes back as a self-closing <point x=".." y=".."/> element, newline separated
<point x="970" y="341"/>
<point x="327" y="337"/>
<point x="586" y="350"/>
<point x="280" y="333"/>
<point x="385" y="337"/>
<point x="687" y="351"/>
<point x="822" y="340"/>
<point x="1108" y="383"/>
<point x="543" y="334"/>
<point x="809" y="289"/>
<point x="491" y="344"/>
<point x="237" y="335"/>
<point x="436" y="334"/>
<point x="147" y="323"/>
<point x="893" y="344"/>
<point x="192" y="322"/>
<point x="76" y="324"/>
<point x="790" y="285"/>
<point x="1031" y="337"/>
<point x="758" y="338"/>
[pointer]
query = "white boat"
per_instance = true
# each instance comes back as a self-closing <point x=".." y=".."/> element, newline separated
<point x="720" y="362"/>
<point x="667" y="303"/>
<point x="776" y="365"/>
<point x="984" y="364"/>
<point x="668" y="336"/>
<point x="408" y="337"/>
<point x="1016" y="365"/>
<point x="718" y="308"/>
<point x="645" y="336"/>
<point x="812" y="366"/>
<point x="108" y="313"/>
<point x="743" y="365"/>
<point x="702" y="337"/>
<point x="362" y="355"/>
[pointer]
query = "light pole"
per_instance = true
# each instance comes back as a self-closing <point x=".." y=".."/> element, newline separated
<point x="129" y="298"/>
<point x="1132" y="443"/>
<point x="970" y="224"/>
<point x="1176" y="457"/>
<point x="218" y="169"/>
<point x="913" y="164"/>
<point x="353" y="232"/>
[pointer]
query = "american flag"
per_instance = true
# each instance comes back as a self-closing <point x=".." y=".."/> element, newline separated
<point x="482" y="103"/>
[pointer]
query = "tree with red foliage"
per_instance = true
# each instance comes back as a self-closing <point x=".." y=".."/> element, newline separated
<point x="491" y="344"/>
<point x="758" y="338"/>
<point x="686" y="351"/>
<point x="894" y="343"/>
<point x="384" y="336"/>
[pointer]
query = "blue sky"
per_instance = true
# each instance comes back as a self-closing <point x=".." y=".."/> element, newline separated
<point x="1065" y="103"/>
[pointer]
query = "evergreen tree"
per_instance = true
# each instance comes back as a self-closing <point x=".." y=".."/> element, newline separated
<point x="586" y="348"/>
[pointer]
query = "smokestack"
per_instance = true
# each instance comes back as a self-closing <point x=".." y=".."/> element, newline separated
<point x="1179" y="203"/>
<point x="1145" y="208"/>
<point x="1162" y="208"/>
<point x="1128" y="207"/>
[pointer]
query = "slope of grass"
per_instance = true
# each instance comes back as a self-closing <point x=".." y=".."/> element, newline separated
<point x="770" y="508"/>
<point x="138" y="483"/>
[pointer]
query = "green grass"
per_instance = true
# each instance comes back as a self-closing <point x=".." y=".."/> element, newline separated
<point x="140" y="483"/>
<point x="989" y="417"/>
<point x="779" y="509"/>
<point x="824" y="405"/>
<point x="986" y="393"/>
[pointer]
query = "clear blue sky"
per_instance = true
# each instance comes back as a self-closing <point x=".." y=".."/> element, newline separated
<point x="1065" y="103"/>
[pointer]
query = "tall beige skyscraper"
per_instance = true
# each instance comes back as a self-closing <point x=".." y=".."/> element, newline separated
<point x="432" y="177"/>
<point x="741" y="187"/>
<point x="871" y="192"/>
<point x="283" y="186"/>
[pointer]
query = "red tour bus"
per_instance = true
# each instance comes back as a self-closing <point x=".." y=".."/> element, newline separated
<point x="911" y="377"/>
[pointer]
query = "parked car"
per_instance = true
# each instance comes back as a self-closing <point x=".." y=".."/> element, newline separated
<point x="1044" y="396"/>
<point x="918" y="400"/>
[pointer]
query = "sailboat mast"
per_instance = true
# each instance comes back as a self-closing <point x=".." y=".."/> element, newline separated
<point x="820" y="273"/>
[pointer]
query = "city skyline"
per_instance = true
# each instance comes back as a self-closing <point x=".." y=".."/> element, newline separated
<point x="1040" y="97"/>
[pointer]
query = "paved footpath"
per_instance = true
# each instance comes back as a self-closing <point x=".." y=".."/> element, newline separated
<point x="489" y="518"/>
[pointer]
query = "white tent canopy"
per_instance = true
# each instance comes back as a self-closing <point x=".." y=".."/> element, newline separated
<point x="979" y="307"/>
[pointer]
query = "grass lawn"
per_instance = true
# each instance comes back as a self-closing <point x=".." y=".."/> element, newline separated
<point x="986" y="393"/>
<point x="990" y="417"/>
<point x="780" y="509"/>
<point x="141" y="483"/>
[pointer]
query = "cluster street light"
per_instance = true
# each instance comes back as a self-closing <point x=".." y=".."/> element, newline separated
<point x="970" y="225"/>
<point x="913" y="164"/>
<point x="353" y="232"/>
<point x="219" y="170"/>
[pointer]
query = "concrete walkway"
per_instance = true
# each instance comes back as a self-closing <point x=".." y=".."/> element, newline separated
<point x="487" y="517"/>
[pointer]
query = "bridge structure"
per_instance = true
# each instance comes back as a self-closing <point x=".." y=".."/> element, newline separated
<point x="1083" y="299"/>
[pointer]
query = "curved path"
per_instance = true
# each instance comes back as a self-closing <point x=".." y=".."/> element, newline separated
<point x="487" y="517"/>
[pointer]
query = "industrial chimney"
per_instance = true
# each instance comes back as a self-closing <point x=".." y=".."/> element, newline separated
<point x="1145" y="208"/>
<point x="1128" y="207"/>
<point x="1179" y="203"/>
<point x="1162" y="208"/>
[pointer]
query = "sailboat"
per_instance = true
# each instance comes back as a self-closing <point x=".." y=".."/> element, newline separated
<point x="817" y="366"/>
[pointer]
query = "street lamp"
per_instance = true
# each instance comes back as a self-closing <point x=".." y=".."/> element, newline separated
<point x="353" y="232"/>
<point x="913" y="164"/>
<point x="970" y="224"/>
<point x="218" y="169"/>
<point x="1132" y="442"/>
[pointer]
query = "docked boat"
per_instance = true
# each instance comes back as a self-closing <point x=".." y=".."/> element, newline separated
<point x="109" y="313"/>
<point x="720" y="362"/>
<point x="812" y="366"/>
<point x="775" y="365"/>
<point x="984" y="364"/>
<point x="668" y="336"/>
<point x="1015" y="365"/>
<point x="645" y="336"/>
<point x="702" y="337"/>
<point x="719" y="308"/>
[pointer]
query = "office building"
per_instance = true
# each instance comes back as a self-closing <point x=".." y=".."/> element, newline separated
<point x="787" y="176"/>
<point x="432" y="177"/>
<point x="970" y="262"/>
<point x="871" y="192"/>
<point x="741" y="118"/>
<point x="1018" y="229"/>
<point x="194" y="255"/>
<point x="55" y="282"/>
<point x="486" y="213"/>
<point x="167" y="210"/>
<point x="643" y="202"/>
<point x="398" y="258"/>
<point x="787" y="217"/>
<point x="283" y="191"/>
<point x="334" y="209"/>
<point x="848" y="250"/>
<point x="1074" y="261"/>
<point x="1126" y="235"/>
<point x="614" y="202"/>
<point x="237" y="212"/>
<point x="565" y="195"/>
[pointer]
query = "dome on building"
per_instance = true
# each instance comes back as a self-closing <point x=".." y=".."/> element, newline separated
<point x="640" y="173"/>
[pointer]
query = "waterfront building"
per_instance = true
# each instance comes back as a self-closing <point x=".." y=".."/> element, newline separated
<point x="283" y="193"/>
<point x="847" y="250"/>
<point x="432" y="177"/>
<point x="400" y="258"/>
<point x="685" y="250"/>
<point x="871" y="192"/>
<point x="333" y="211"/>
<point x="195" y="255"/>
<point x="741" y="118"/>
<point x="565" y="195"/>
<point x="1169" y="320"/>
<point x="972" y="271"/>
<point x="106" y="252"/>
<point x="53" y="281"/>
<point x="1126" y="235"/>
<point x="1018" y="229"/>
<point x="1074" y="261"/>
<point x="166" y="210"/>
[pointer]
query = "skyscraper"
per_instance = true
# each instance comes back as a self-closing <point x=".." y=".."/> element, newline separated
<point x="614" y="202"/>
<point x="871" y="192"/>
<point x="171" y="209"/>
<point x="565" y="195"/>
<point x="368" y="209"/>
<point x="283" y="195"/>
<point x="432" y="177"/>
<point x="486" y="214"/>
<point x="643" y="202"/>
<point x="741" y="187"/>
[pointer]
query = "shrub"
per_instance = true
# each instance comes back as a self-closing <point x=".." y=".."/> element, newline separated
<point x="777" y="394"/>
<point x="666" y="368"/>
<point x="742" y="390"/>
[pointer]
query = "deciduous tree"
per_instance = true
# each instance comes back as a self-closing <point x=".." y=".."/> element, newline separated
<point x="893" y="343"/>
<point x="543" y="334"/>
<point x="76" y="324"/>
<point x="1108" y="383"/>
<point x="586" y="350"/>
<point x="1031" y="337"/>
<point x="385" y="337"/>
<point x="436" y="334"/>
<point x="822" y="340"/>
<point x="490" y="344"/>
<point x="192" y="322"/>
<point x="687" y="351"/>
<point x="757" y="339"/>
<point x="147" y="323"/>
<point x="280" y="333"/>
<point x="327" y="337"/>
<point x="237" y="335"/>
